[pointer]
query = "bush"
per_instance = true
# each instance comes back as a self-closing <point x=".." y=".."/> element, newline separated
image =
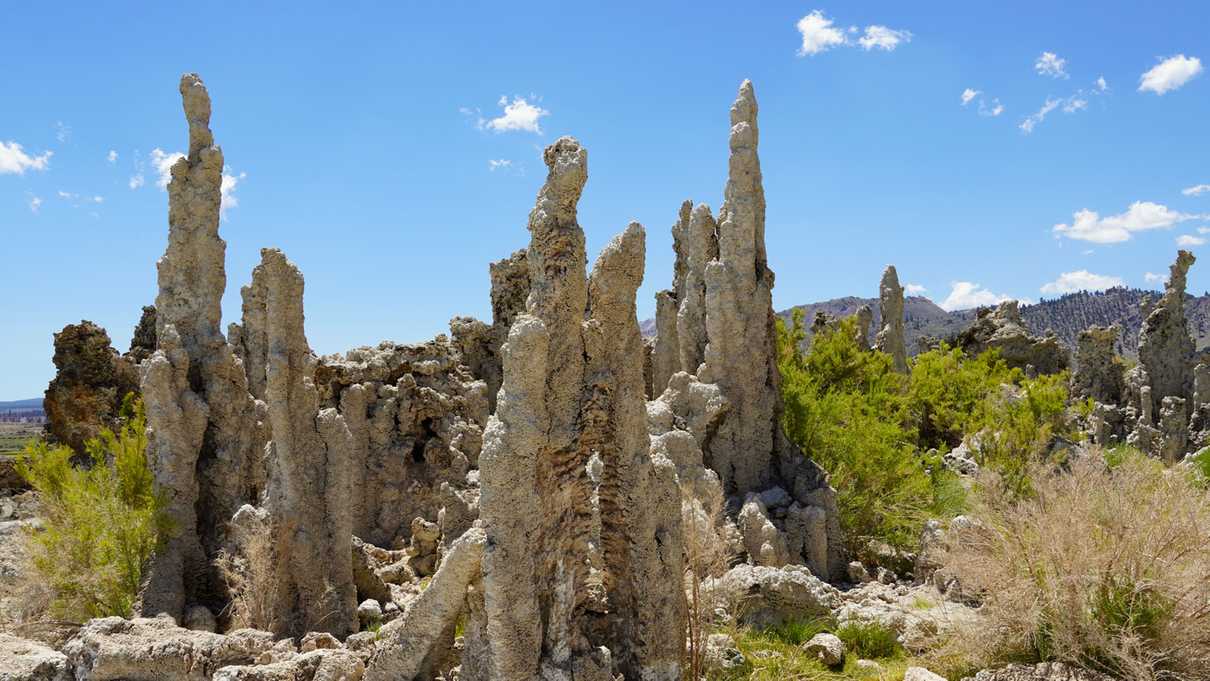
<point x="1106" y="568"/>
<point x="101" y="524"/>
<point x="847" y="410"/>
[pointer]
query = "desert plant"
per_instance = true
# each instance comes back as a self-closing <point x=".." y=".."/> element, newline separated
<point x="249" y="576"/>
<point x="1106" y="568"/>
<point x="101" y="524"/>
<point x="849" y="411"/>
<point x="870" y="640"/>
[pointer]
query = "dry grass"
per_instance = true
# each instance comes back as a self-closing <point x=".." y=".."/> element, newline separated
<point x="1105" y="569"/>
<point x="251" y="581"/>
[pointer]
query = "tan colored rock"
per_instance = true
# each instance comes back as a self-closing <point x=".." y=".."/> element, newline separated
<point x="192" y="279"/>
<point x="317" y="665"/>
<point x="407" y="643"/>
<point x="309" y="481"/>
<point x="91" y="380"/>
<point x="890" y="338"/>
<point x="573" y="389"/>
<point x="665" y="355"/>
<point x="416" y="414"/>
<point x="1165" y="347"/>
<point x="116" y="649"/>
<point x="1001" y="328"/>
<point x="22" y="660"/>
<point x="865" y="317"/>
<point x="1099" y="372"/>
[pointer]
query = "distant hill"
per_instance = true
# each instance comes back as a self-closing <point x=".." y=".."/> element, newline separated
<point x="34" y="403"/>
<point x="1067" y="315"/>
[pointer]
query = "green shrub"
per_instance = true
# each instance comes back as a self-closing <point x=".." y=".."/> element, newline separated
<point x="848" y="410"/>
<point x="101" y="523"/>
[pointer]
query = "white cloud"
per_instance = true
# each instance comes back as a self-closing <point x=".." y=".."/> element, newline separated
<point x="818" y="34"/>
<point x="1170" y="74"/>
<point x="1027" y="126"/>
<point x="915" y="289"/>
<point x="14" y="161"/>
<point x="1196" y="190"/>
<point x="98" y="199"/>
<point x="1088" y="225"/>
<point x="994" y="110"/>
<point x="883" y="38"/>
<point x="965" y="295"/>
<point x="62" y="132"/>
<point x="112" y="156"/>
<point x="1051" y="64"/>
<point x="967" y="95"/>
<point x="34" y="204"/>
<point x="162" y="162"/>
<point x="1102" y="86"/>
<point x="1074" y="104"/>
<point x="136" y="181"/>
<point x="1081" y="280"/>
<point x="1190" y="240"/>
<point x="67" y="196"/>
<point x="1152" y="277"/>
<point x="519" y="115"/>
<point x="227" y="198"/>
<point x="494" y="164"/>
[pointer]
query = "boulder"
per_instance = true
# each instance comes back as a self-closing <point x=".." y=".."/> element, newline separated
<point x="827" y="648"/>
<point x="767" y="596"/>
<point x="22" y="660"/>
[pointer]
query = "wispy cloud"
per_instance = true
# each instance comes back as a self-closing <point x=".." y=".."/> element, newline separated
<point x="1141" y="216"/>
<point x="915" y="289"/>
<point x="1188" y="240"/>
<point x="14" y="160"/>
<point x="1152" y="277"/>
<point x="62" y="132"/>
<point x="1051" y="64"/>
<point x="112" y="156"/>
<point x="1080" y="280"/>
<point x="1196" y="190"/>
<point x="1033" y="120"/>
<point x="494" y="164"/>
<point x="820" y="34"/>
<point x="882" y="38"/>
<point x="968" y="94"/>
<point x="34" y="203"/>
<point x="1170" y="74"/>
<point x="995" y="108"/>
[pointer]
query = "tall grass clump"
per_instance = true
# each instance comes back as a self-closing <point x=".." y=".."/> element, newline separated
<point x="101" y="523"/>
<point x="1103" y="567"/>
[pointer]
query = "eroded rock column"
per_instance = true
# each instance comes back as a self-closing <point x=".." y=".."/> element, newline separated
<point x="890" y="337"/>
<point x="192" y="278"/>
<point x="308" y="488"/>
<point x="1165" y="347"/>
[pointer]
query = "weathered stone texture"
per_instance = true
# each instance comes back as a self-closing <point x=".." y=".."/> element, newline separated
<point x="416" y="414"/>
<point x="309" y="477"/>
<point x="1098" y="373"/>
<point x="188" y="308"/>
<point x="1001" y="328"/>
<point x="573" y="391"/>
<point x="1165" y="347"/>
<point x="890" y="338"/>
<point x="90" y="382"/>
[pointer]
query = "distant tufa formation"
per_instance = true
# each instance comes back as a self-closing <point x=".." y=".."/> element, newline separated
<point x="1160" y="405"/>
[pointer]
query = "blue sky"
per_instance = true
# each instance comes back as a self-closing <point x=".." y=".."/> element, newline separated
<point x="361" y="141"/>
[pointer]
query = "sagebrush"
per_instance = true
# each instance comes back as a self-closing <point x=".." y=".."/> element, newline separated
<point x="101" y="522"/>
<point x="1104" y="567"/>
